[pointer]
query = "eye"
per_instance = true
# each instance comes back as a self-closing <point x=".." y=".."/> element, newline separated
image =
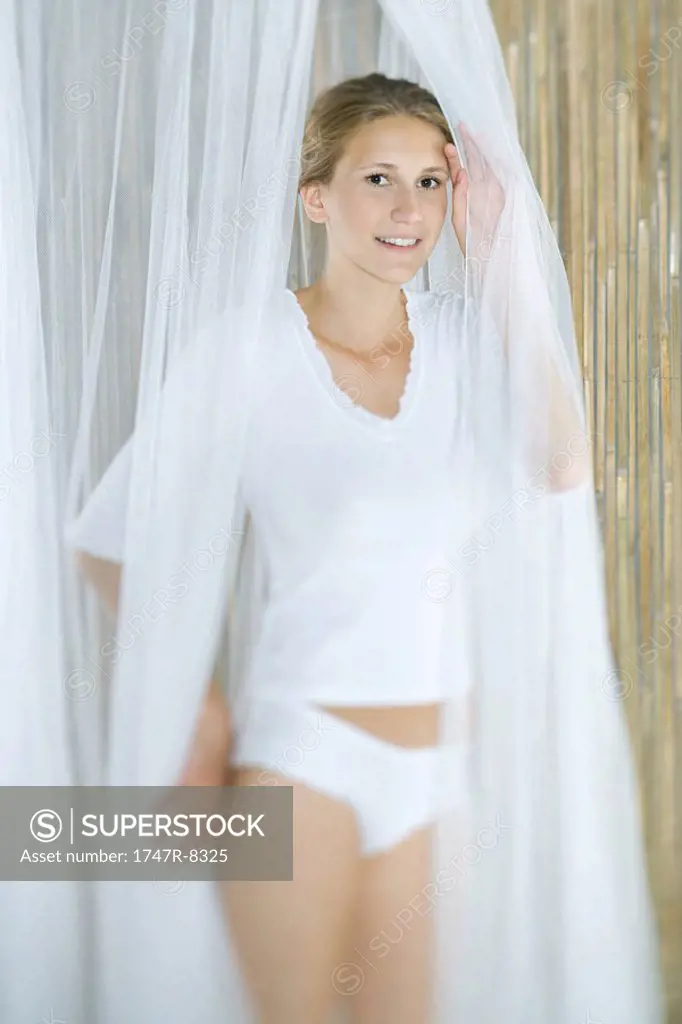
<point x="437" y="184"/>
<point x="376" y="175"/>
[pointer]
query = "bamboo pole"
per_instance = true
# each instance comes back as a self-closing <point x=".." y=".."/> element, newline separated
<point x="598" y="89"/>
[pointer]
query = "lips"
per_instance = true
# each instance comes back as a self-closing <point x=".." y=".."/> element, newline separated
<point x="400" y="248"/>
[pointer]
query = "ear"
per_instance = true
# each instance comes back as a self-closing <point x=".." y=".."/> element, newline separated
<point x="313" y="201"/>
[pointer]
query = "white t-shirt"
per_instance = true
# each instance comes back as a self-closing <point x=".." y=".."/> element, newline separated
<point x="350" y="510"/>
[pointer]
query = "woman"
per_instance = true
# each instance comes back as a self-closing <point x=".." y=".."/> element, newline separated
<point x="376" y="170"/>
<point x="352" y="423"/>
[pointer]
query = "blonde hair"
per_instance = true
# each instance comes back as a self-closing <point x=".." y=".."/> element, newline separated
<point x="341" y="110"/>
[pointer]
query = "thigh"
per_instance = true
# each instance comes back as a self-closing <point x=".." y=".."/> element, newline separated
<point x="289" y="935"/>
<point x="393" y="935"/>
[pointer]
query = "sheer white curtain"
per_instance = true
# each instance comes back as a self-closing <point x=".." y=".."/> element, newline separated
<point x="41" y="924"/>
<point x="148" y="208"/>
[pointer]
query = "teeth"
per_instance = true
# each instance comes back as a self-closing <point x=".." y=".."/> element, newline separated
<point x="400" y="241"/>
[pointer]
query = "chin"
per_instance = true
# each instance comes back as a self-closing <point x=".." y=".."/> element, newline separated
<point x="400" y="274"/>
<point x="395" y="275"/>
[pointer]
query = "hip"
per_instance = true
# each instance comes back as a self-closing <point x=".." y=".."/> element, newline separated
<point x="405" y="725"/>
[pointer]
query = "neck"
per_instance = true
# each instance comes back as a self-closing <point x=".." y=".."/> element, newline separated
<point x="350" y="304"/>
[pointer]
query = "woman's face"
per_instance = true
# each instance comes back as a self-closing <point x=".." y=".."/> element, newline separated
<point x="390" y="183"/>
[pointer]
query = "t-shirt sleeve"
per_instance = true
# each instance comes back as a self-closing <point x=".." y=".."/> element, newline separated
<point x="100" y="527"/>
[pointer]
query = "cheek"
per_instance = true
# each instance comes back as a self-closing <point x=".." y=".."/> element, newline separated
<point x="360" y="209"/>
<point x="438" y="209"/>
<point x="434" y="220"/>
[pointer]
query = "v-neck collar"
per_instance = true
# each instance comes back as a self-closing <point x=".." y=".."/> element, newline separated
<point x="322" y="370"/>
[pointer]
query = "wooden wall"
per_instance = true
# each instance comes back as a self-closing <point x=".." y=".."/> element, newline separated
<point x="598" y="87"/>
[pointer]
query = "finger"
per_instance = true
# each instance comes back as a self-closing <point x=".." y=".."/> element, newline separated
<point x="460" y="182"/>
<point x="452" y="157"/>
<point x="476" y="163"/>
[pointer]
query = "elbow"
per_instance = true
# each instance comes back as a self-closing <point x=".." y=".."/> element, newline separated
<point x="575" y="475"/>
<point x="570" y="464"/>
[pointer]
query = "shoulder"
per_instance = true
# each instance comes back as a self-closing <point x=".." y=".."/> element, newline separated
<point x="434" y="306"/>
<point x="241" y="325"/>
<point x="438" y="315"/>
<point x="240" y="319"/>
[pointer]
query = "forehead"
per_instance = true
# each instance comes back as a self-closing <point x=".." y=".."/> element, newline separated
<point x="392" y="137"/>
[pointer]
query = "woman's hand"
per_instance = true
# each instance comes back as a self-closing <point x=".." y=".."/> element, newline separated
<point x="481" y="190"/>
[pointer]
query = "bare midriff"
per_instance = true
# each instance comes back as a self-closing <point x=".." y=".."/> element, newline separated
<point x="412" y="725"/>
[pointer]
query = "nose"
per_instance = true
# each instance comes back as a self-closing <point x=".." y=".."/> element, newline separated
<point x="406" y="209"/>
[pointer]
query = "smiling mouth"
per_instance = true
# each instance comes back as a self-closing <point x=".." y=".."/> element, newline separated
<point x="399" y="245"/>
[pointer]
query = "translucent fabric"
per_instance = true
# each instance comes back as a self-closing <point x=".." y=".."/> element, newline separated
<point x="185" y="158"/>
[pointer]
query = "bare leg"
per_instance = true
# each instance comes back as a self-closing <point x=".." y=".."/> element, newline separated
<point x="393" y="941"/>
<point x="387" y="976"/>
<point x="289" y="936"/>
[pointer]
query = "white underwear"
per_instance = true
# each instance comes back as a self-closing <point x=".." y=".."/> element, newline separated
<point x="393" y="790"/>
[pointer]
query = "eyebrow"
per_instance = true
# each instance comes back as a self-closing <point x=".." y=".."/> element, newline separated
<point x="394" y="167"/>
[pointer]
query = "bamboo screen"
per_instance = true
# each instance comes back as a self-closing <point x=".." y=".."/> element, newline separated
<point x="598" y="88"/>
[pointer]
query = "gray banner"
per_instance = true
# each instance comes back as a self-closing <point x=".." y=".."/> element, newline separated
<point x="139" y="833"/>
